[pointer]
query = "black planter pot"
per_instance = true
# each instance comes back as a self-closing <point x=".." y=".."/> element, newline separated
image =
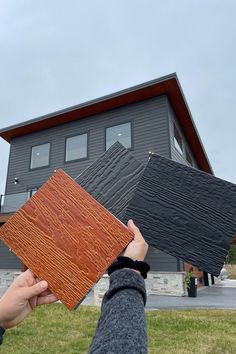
<point x="192" y="289"/>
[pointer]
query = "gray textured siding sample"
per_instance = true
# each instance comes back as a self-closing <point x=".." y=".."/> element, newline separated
<point x="185" y="212"/>
<point x="112" y="179"/>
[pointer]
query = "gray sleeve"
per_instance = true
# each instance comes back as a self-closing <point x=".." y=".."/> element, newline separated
<point x="122" y="327"/>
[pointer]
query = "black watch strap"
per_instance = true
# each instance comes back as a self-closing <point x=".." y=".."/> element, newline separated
<point x="2" y="331"/>
<point x="126" y="262"/>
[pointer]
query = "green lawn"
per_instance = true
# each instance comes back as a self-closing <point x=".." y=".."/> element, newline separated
<point x="53" y="330"/>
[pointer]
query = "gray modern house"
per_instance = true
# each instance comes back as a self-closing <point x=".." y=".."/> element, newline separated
<point x="151" y="117"/>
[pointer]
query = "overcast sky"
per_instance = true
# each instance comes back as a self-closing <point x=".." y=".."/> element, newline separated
<point x="58" y="53"/>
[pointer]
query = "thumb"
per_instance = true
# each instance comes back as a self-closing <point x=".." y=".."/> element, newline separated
<point x="133" y="228"/>
<point x="35" y="289"/>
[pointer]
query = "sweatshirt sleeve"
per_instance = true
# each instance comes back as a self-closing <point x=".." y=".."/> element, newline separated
<point x="122" y="327"/>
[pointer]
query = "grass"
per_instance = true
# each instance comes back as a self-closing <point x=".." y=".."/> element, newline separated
<point x="53" y="330"/>
<point x="192" y="331"/>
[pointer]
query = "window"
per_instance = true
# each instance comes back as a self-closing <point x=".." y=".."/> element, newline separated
<point x="178" y="142"/>
<point x="76" y="147"/>
<point x="31" y="192"/>
<point x="189" y="158"/>
<point x="121" y="133"/>
<point x="40" y="156"/>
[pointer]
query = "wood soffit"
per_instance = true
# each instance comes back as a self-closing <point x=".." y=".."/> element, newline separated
<point x="169" y="86"/>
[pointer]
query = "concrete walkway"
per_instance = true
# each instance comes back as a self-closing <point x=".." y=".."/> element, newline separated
<point x="219" y="296"/>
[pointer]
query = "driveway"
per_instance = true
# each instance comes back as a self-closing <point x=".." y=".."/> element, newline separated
<point x="220" y="296"/>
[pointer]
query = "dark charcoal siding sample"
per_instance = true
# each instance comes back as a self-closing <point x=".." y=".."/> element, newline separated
<point x="185" y="212"/>
<point x="112" y="179"/>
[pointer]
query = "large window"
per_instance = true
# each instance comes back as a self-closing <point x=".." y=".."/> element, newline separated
<point x="121" y="133"/>
<point x="76" y="147"/>
<point x="40" y="156"/>
<point x="31" y="192"/>
<point x="178" y="142"/>
<point x="189" y="158"/>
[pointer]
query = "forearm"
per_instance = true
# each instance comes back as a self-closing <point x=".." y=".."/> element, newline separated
<point x="122" y="327"/>
<point x="2" y="326"/>
<point x="2" y="311"/>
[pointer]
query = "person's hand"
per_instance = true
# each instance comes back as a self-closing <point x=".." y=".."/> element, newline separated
<point x="25" y="293"/>
<point x="137" y="249"/>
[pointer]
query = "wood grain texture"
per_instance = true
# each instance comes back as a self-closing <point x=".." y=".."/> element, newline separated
<point x="112" y="179"/>
<point x="185" y="212"/>
<point x="65" y="237"/>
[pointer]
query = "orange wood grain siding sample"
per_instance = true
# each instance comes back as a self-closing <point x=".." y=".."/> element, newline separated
<point x="65" y="237"/>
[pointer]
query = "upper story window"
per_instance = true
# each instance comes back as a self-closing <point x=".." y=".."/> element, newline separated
<point x="121" y="133"/>
<point x="178" y="142"/>
<point x="31" y="192"/>
<point x="40" y="156"/>
<point x="76" y="147"/>
<point x="189" y="158"/>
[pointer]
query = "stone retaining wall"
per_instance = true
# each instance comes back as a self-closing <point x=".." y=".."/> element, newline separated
<point x="157" y="283"/>
<point x="163" y="283"/>
<point x="166" y="283"/>
<point x="7" y="276"/>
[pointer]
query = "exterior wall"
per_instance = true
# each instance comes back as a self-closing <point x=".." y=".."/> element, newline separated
<point x="174" y="153"/>
<point x="7" y="259"/>
<point x="157" y="283"/>
<point x="162" y="262"/>
<point x="150" y="132"/>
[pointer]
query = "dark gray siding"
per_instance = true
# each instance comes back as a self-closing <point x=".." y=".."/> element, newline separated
<point x="175" y="154"/>
<point x="7" y="259"/>
<point x="162" y="262"/>
<point x="150" y="133"/>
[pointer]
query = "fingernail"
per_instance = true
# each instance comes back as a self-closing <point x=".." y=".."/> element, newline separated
<point x="43" y="284"/>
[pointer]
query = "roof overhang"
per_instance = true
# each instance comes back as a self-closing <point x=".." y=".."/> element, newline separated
<point x="168" y="85"/>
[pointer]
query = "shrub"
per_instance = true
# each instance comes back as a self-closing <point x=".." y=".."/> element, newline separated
<point x="232" y="255"/>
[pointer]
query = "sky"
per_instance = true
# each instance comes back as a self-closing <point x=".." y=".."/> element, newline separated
<point x="59" y="53"/>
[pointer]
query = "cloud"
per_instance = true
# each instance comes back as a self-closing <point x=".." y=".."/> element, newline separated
<point x="56" y="54"/>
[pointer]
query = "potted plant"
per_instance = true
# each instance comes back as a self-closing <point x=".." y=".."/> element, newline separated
<point x="190" y="281"/>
